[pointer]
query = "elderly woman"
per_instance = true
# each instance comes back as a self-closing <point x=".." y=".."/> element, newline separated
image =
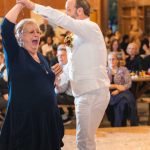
<point x="32" y="121"/>
<point x="134" y="61"/>
<point x="122" y="103"/>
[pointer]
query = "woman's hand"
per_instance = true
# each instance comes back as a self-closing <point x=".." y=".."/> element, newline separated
<point x="115" y="92"/>
<point x="20" y="5"/>
<point x="5" y="96"/>
<point x="113" y="86"/>
<point x="117" y="89"/>
<point x="56" y="69"/>
<point x="27" y="3"/>
<point x="120" y="88"/>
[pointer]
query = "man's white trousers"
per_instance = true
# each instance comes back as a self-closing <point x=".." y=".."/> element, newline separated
<point x="90" y="109"/>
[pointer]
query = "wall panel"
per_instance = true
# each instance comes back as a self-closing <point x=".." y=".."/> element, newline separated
<point x="99" y="13"/>
<point x="133" y="12"/>
<point x="1" y="8"/>
<point x="7" y="4"/>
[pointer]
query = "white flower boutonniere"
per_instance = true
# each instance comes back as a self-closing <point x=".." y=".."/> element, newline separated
<point x="69" y="40"/>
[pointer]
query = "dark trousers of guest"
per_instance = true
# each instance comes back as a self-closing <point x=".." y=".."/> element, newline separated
<point x="122" y="107"/>
<point x="64" y="99"/>
<point x="117" y="120"/>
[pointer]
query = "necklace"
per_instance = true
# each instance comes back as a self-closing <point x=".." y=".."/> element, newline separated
<point x="44" y="68"/>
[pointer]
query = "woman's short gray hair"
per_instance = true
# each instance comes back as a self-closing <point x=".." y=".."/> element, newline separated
<point x="116" y="54"/>
<point x="136" y="46"/>
<point x="61" y="47"/>
<point x="20" y="26"/>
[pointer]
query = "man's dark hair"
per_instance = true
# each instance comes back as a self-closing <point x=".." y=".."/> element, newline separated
<point x="85" y="5"/>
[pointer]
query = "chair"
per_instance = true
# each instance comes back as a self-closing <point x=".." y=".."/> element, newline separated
<point x="147" y="100"/>
<point x="1" y="118"/>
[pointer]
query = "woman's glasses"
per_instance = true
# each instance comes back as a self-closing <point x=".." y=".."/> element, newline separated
<point x="32" y="32"/>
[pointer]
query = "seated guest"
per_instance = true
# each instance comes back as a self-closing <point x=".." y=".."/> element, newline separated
<point x="3" y="83"/>
<point x="134" y="61"/>
<point x="114" y="47"/>
<point x="51" y="56"/>
<point x="46" y="29"/>
<point x="63" y="88"/>
<point x="122" y="103"/>
<point x="145" y="47"/>
<point x="48" y="46"/>
<point x="146" y="55"/>
<point x="146" y="63"/>
<point x="124" y="43"/>
<point x="54" y="59"/>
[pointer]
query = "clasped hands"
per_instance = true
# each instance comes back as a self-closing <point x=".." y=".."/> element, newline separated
<point x="26" y="3"/>
<point x="117" y="89"/>
<point x="56" y="69"/>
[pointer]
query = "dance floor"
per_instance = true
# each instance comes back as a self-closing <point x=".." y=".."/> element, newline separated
<point x="125" y="138"/>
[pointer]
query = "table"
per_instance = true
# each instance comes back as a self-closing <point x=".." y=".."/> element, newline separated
<point x="142" y="85"/>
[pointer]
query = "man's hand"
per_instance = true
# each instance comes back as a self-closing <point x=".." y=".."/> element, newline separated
<point x="57" y="69"/>
<point x="27" y="3"/>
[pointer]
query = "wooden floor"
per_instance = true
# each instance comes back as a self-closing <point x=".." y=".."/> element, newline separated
<point x="125" y="138"/>
<point x="108" y="138"/>
<point x="101" y="131"/>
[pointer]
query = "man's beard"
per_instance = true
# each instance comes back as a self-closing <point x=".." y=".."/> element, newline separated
<point x="75" y="15"/>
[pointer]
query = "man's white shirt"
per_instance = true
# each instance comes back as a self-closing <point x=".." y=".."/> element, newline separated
<point x="88" y="58"/>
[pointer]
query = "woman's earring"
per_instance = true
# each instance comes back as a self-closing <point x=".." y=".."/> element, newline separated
<point x="21" y="43"/>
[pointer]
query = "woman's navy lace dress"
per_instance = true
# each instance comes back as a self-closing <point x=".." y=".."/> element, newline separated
<point x="32" y="120"/>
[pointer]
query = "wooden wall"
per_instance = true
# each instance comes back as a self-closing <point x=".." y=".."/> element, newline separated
<point x="5" y="5"/>
<point x="1" y="8"/>
<point x="134" y="12"/>
<point x="98" y="14"/>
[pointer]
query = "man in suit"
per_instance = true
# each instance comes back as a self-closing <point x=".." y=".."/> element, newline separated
<point x="87" y="58"/>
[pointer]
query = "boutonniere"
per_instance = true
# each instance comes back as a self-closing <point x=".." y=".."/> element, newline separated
<point x="69" y="40"/>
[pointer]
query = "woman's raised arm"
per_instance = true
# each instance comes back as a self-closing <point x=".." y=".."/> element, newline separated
<point x="13" y="13"/>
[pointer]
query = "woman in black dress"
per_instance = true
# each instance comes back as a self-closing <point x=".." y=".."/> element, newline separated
<point x="134" y="62"/>
<point x="32" y="120"/>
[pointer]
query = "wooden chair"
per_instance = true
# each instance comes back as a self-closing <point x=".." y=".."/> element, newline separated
<point x="1" y="118"/>
<point x="147" y="100"/>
